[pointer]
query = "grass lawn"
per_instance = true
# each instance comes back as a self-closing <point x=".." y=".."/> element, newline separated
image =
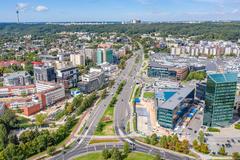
<point x="210" y="129"/>
<point x="131" y="156"/>
<point x="137" y="93"/>
<point x="107" y="121"/>
<point x="149" y="95"/>
<point x="94" y="141"/>
<point x="237" y="126"/>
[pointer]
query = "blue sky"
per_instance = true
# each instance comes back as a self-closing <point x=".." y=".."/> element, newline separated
<point x="118" y="10"/>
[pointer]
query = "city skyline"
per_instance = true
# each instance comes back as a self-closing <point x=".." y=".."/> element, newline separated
<point x="112" y="10"/>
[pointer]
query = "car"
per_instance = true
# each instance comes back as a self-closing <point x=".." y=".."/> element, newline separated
<point x="195" y="131"/>
<point x="238" y="141"/>
<point x="214" y="153"/>
<point x="228" y="141"/>
<point x="223" y="145"/>
<point x="233" y="140"/>
<point x="189" y="128"/>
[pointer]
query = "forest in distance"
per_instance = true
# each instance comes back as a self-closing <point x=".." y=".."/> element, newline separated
<point x="197" y="31"/>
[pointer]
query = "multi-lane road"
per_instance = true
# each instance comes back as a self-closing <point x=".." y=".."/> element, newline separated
<point x="122" y="115"/>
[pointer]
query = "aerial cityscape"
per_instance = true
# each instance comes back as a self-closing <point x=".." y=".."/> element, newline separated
<point x="120" y="80"/>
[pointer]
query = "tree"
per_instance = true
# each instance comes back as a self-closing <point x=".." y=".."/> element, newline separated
<point x="116" y="154"/>
<point x="126" y="148"/>
<point x="204" y="148"/>
<point x="154" y="139"/>
<point x="69" y="108"/>
<point x="195" y="145"/>
<point x="185" y="146"/>
<point x="103" y="94"/>
<point x="235" y="156"/>
<point x="40" y="119"/>
<point x="3" y="136"/>
<point x="163" y="142"/>
<point x="106" y="154"/>
<point x="222" y="151"/>
<point x="50" y="150"/>
<point x="147" y="140"/>
<point x="201" y="136"/>
<point x="157" y="157"/>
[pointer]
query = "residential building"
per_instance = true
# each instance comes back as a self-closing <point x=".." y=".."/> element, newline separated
<point x="92" y="81"/>
<point x="172" y="104"/>
<point x="220" y="98"/>
<point x="44" y="73"/>
<point x="20" y="78"/>
<point x="78" y="59"/>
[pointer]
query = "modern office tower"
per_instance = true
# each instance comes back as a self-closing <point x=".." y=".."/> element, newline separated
<point x="77" y="59"/>
<point x="44" y="73"/>
<point x="109" y="56"/>
<point x="220" y="96"/>
<point x="99" y="56"/>
<point x="68" y="76"/>
<point x="104" y="55"/>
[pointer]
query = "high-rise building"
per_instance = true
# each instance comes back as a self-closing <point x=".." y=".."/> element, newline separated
<point x="109" y="56"/>
<point x="99" y="56"/>
<point x="104" y="55"/>
<point x="220" y="96"/>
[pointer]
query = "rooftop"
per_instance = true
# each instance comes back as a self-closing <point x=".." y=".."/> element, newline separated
<point x="224" y="77"/>
<point x="175" y="97"/>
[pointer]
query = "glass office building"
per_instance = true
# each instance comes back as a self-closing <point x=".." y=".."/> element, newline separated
<point x="220" y="97"/>
<point x="172" y="105"/>
<point x="99" y="56"/>
<point x="109" y="55"/>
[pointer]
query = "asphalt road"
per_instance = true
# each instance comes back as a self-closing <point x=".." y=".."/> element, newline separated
<point x="122" y="115"/>
<point x="97" y="114"/>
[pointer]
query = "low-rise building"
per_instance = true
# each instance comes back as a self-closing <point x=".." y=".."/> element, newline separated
<point x="44" y="73"/>
<point x="20" y="78"/>
<point x="92" y="81"/>
<point x="158" y="70"/>
<point x="68" y="76"/>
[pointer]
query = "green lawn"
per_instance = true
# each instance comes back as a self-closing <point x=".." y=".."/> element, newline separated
<point x="107" y="121"/>
<point x="149" y="95"/>
<point x="210" y="129"/>
<point x="131" y="156"/>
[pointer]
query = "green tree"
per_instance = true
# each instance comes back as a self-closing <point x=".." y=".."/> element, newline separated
<point x="116" y="154"/>
<point x="51" y="150"/>
<point x="157" y="157"/>
<point x="40" y="119"/>
<point x="222" y="151"/>
<point x="185" y="146"/>
<point x="235" y="156"/>
<point x="3" y="136"/>
<point x="204" y="148"/>
<point x="106" y="154"/>
<point x="126" y="148"/>
<point x="154" y="139"/>
<point x="201" y="136"/>
<point x="103" y="94"/>
<point x="69" y="108"/>
<point x="147" y="140"/>
<point x="195" y="145"/>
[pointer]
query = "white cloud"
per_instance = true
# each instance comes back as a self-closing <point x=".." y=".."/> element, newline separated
<point x="235" y="11"/>
<point x="41" y="8"/>
<point x="21" y="6"/>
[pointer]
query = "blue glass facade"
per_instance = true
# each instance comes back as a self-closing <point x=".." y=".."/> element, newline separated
<point x="220" y="97"/>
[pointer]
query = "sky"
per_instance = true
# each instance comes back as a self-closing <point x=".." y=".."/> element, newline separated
<point x="118" y="10"/>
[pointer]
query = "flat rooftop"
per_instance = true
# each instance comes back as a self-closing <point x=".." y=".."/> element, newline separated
<point x="175" y="98"/>
<point x="224" y="77"/>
